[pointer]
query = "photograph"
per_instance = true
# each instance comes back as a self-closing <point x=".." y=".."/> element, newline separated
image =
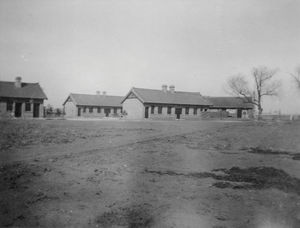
<point x="150" y="113"/>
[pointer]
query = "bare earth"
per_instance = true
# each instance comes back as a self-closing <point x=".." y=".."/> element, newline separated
<point x="59" y="173"/>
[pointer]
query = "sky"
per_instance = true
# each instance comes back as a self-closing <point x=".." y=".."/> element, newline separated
<point x="87" y="46"/>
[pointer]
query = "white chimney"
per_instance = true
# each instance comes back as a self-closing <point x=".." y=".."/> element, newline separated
<point x="172" y="88"/>
<point x="18" y="82"/>
<point x="164" y="88"/>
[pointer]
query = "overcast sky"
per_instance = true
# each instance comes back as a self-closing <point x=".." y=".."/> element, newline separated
<point x="85" y="46"/>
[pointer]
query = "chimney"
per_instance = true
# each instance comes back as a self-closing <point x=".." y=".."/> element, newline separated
<point x="97" y="92"/>
<point x="18" y="82"/>
<point x="104" y="93"/>
<point x="172" y="88"/>
<point x="164" y="88"/>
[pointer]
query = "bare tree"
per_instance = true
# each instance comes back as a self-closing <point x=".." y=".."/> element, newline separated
<point x="296" y="77"/>
<point x="264" y="85"/>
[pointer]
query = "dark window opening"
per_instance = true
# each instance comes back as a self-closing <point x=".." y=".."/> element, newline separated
<point x="195" y="111"/>
<point x="84" y="109"/>
<point x="152" y="109"/>
<point x="187" y="110"/>
<point x="9" y="106"/>
<point x="99" y="110"/>
<point x="115" y="110"/>
<point x="169" y="110"/>
<point x="27" y="107"/>
<point x="159" y="109"/>
<point x="91" y="109"/>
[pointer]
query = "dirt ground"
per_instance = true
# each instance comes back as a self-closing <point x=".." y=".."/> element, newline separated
<point x="60" y="173"/>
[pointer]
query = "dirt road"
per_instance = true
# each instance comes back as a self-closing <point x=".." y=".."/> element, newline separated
<point x="149" y="174"/>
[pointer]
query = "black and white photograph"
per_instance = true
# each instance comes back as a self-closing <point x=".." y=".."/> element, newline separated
<point x="150" y="113"/>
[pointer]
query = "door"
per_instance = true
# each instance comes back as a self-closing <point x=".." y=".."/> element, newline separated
<point x="18" y="110"/>
<point x="36" y="110"/>
<point x="239" y="113"/>
<point x="178" y="112"/>
<point x="146" y="112"/>
<point x="107" y="111"/>
<point x="79" y="112"/>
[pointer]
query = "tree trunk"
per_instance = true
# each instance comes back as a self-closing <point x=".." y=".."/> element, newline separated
<point x="260" y="110"/>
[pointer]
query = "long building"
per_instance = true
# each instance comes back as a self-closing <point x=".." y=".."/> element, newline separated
<point x="166" y="103"/>
<point x="92" y="106"/>
<point x="234" y="107"/>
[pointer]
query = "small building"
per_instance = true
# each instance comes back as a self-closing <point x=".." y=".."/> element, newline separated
<point x="21" y="99"/>
<point x="92" y="106"/>
<point x="166" y="104"/>
<point x="235" y="107"/>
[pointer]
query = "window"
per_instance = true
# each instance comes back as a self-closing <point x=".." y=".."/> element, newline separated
<point x="195" y="111"/>
<point x="91" y="109"/>
<point x="27" y="107"/>
<point x="9" y="106"/>
<point x="84" y="109"/>
<point x="115" y="110"/>
<point x="152" y="109"/>
<point x="98" y="109"/>
<point x="169" y="110"/>
<point x="187" y="110"/>
<point x="159" y="109"/>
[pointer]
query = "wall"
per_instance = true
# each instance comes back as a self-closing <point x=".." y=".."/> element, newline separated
<point x="25" y="114"/>
<point x="134" y="108"/>
<point x="70" y="109"/>
<point x="2" y="107"/>
<point x="95" y="114"/>
<point x="165" y="116"/>
<point x="229" y="113"/>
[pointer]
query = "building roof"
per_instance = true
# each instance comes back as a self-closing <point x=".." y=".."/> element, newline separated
<point x="95" y="100"/>
<point x="27" y="90"/>
<point x="230" y="102"/>
<point x="168" y="97"/>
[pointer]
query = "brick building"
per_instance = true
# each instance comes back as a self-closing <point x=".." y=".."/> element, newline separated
<point x="21" y="99"/>
<point x="92" y="106"/>
<point x="166" y="103"/>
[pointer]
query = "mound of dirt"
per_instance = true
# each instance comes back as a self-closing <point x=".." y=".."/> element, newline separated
<point x="260" y="178"/>
<point x="137" y="216"/>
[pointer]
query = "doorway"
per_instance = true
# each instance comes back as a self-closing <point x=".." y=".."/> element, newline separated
<point x="239" y="113"/>
<point x="146" y="112"/>
<point x="79" y="112"/>
<point x="18" y="109"/>
<point x="178" y="112"/>
<point x="107" y="111"/>
<point x="36" y="110"/>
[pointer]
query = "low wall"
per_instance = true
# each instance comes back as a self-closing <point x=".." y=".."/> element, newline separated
<point x="271" y="117"/>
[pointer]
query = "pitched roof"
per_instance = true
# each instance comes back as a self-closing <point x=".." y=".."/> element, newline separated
<point x="230" y="102"/>
<point x="27" y="90"/>
<point x="95" y="100"/>
<point x="168" y="97"/>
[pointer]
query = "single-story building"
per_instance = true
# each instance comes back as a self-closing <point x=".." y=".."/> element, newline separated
<point x="236" y="107"/>
<point x="166" y="103"/>
<point x="20" y="99"/>
<point x="92" y="106"/>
